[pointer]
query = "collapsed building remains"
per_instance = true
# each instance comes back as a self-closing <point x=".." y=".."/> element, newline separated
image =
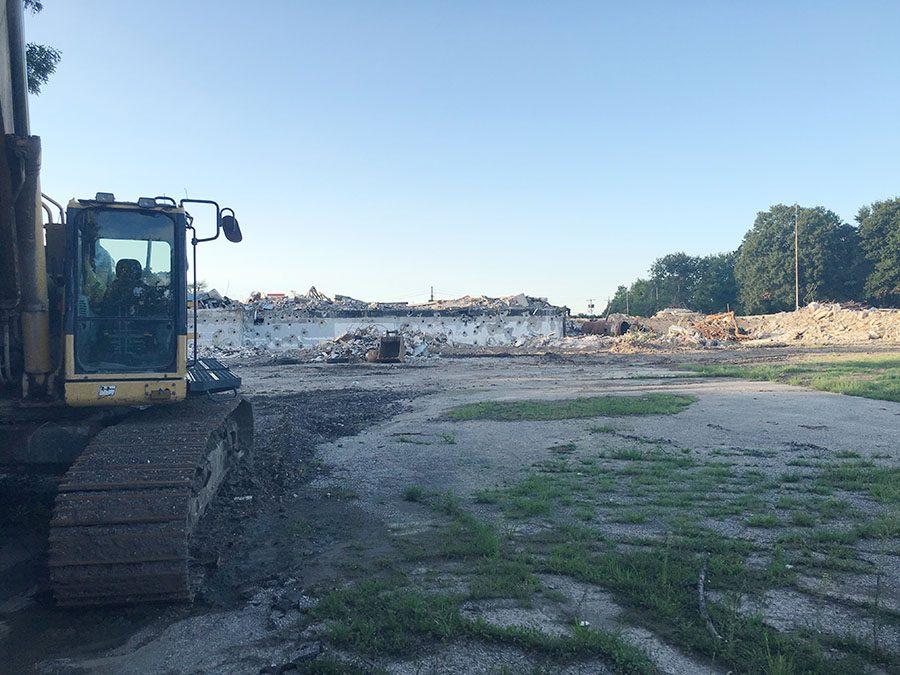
<point x="316" y="327"/>
<point x="344" y="328"/>
<point x="815" y="324"/>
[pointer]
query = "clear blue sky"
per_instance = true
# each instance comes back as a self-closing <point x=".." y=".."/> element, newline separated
<point x="555" y="148"/>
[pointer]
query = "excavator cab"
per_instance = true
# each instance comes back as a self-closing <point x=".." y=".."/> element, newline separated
<point x="126" y="303"/>
<point x="125" y="328"/>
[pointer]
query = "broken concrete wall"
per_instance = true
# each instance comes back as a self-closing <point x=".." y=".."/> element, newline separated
<point x="219" y="327"/>
<point x="282" y="329"/>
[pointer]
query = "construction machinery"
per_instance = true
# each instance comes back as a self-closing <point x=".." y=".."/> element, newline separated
<point x="95" y="368"/>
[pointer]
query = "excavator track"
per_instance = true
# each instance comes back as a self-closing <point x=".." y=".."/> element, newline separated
<point x="127" y="507"/>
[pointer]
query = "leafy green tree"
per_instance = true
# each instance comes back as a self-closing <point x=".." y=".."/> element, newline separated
<point x="704" y="284"/>
<point x="879" y="234"/>
<point x="715" y="289"/>
<point x="40" y="60"/>
<point x="831" y="262"/>
<point x="675" y="276"/>
<point x="640" y="300"/>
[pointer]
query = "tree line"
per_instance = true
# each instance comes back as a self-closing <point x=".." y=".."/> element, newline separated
<point x="838" y="262"/>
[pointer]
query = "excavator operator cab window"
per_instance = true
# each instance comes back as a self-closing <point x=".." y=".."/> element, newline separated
<point x="125" y="308"/>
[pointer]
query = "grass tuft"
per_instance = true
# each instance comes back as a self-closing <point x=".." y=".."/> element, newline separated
<point x="874" y="376"/>
<point x="593" y="406"/>
<point x="414" y="493"/>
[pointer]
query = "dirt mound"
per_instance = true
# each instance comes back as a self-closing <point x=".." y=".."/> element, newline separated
<point x="825" y="324"/>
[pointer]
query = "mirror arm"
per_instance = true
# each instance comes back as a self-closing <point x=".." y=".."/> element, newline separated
<point x="182" y="202"/>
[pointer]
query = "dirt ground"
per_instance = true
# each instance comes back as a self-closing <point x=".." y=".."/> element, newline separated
<point x="327" y="499"/>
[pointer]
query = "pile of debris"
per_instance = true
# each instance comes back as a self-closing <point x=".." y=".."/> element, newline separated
<point x="705" y="330"/>
<point x="815" y="324"/>
<point x="312" y="301"/>
<point x="668" y="327"/>
<point x="362" y="344"/>
<point x="508" y="302"/>
<point x="825" y="323"/>
<point x="315" y="301"/>
<point x="212" y="299"/>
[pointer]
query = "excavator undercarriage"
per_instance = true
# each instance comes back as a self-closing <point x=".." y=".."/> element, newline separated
<point x="128" y="505"/>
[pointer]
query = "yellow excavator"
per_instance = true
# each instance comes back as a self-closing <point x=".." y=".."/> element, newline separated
<point x="95" y="370"/>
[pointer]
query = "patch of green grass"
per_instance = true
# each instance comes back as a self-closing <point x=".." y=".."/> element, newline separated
<point x="468" y="537"/>
<point x="583" y="642"/>
<point x="789" y="502"/>
<point x="802" y="462"/>
<point x="885" y="526"/>
<point x="379" y="619"/>
<point x="716" y="470"/>
<point x="585" y="513"/>
<point x="829" y="507"/>
<point x="764" y="520"/>
<point x="803" y="519"/>
<point x="722" y="510"/>
<point x="502" y="578"/>
<point x="593" y="406"/>
<point x="414" y="493"/>
<point x="882" y="483"/>
<point x="875" y="376"/>
<point x="604" y="429"/>
<point x="447" y="438"/>
<point x="486" y="496"/>
<point x="833" y="535"/>
<point x="758" y="452"/>
<point x="659" y="588"/>
<point x="375" y="618"/>
<point x="654" y="575"/>
<point x="750" y="502"/>
<point x="536" y="495"/>
<point x="631" y="517"/>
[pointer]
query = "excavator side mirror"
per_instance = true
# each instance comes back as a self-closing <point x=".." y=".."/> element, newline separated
<point x="231" y="228"/>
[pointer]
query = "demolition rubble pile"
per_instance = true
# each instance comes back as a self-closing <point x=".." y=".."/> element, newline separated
<point x="212" y="299"/>
<point x="312" y="326"/>
<point x="824" y="324"/>
<point x="361" y="344"/>
<point x="666" y="329"/>
<point x="483" y="302"/>
<point x="677" y="329"/>
<point x="815" y="324"/>
<point x="314" y="301"/>
<point x="351" y="347"/>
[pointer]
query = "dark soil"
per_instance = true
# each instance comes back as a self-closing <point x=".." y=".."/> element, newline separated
<point x="240" y="544"/>
<point x="264" y="526"/>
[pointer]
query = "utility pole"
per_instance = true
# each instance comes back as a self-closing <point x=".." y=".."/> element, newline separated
<point x="627" y="311"/>
<point x="796" y="261"/>
<point x="590" y="306"/>
<point x="432" y="294"/>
